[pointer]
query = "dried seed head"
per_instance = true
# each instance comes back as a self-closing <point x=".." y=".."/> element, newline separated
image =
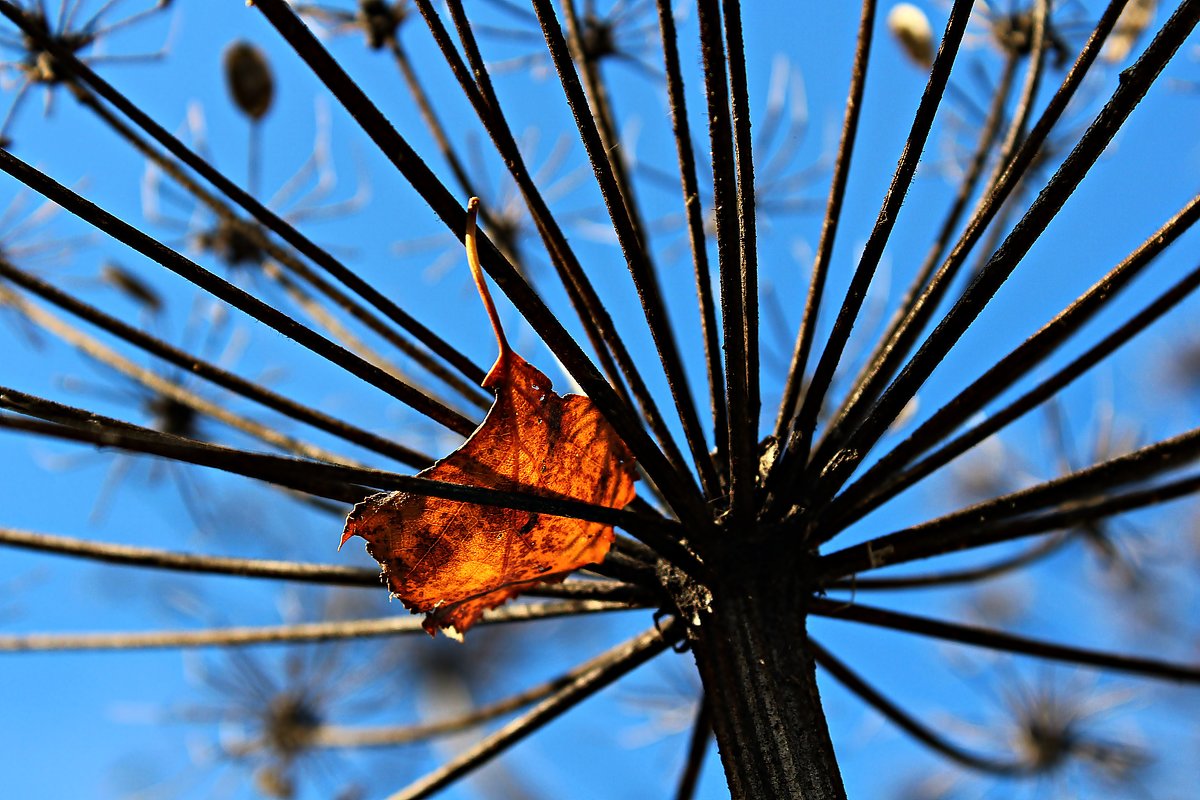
<point x="910" y="28"/>
<point x="1134" y="20"/>
<point x="172" y="416"/>
<point x="248" y="77"/>
<point x="380" y="21"/>
<point x="1014" y="33"/>
<point x="235" y="242"/>
<point x="132" y="287"/>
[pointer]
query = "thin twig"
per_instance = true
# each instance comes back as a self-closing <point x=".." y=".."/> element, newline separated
<point x="1006" y="642"/>
<point x="281" y="634"/>
<point x="910" y="724"/>
<point x="1135" y="82"/>
<point x="883" y="485"/>
<point x="696" y="238"/>
<point x="252" y="306"/>
<point x="792" y="461"/>
<point x="829" y="227"/>
<point x="615" y="663"/>
<point x="618" y="199"/>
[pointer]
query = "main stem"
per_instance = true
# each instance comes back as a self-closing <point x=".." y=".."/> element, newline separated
<point x="750" y="644"/>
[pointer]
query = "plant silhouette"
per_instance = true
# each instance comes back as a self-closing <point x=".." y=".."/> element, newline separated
<point x="968" y="420"/>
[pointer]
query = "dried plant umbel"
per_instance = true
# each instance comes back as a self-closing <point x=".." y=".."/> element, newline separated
<point x="379" y="21"/>
<point x="624" y="32"/>
<point x="752" y="527"/>
<point x="38" y="65"/>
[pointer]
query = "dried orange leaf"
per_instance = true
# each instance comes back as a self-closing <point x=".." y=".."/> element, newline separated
<point x="454" y="560"/>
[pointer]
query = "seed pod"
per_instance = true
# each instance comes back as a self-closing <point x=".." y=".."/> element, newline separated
<point x="910" y="28"/>
<point x="132" y="286"/>
<point x="248" y="77"/>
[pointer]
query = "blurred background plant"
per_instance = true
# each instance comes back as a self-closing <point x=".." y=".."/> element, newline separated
<point x="772" y="364"/>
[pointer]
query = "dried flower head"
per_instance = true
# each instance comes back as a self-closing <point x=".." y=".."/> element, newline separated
<point x="249" y="80"/>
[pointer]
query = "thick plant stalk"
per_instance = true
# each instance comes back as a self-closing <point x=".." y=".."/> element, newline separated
<point x="751" y="649"/>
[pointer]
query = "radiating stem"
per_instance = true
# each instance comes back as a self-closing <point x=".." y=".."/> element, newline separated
<point x="611" y="666"/>
<point x="885" y="478"/>
<point x="1007" y="642"/>
<point x="829" y="227"/>
<point x="1134" y="84"/>
<point x="210" y="372"/>
<point x="694" y="212"/>
<point x="283" y="634"/>
<point x="792" y="461"/>
<point x="151" y="248"/>
<point x="622" y="209"/>
<point x="909" y="724"/>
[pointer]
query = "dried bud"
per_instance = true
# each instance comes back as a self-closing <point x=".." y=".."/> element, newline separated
<point x="910" y="27"/>
<point x="1134" y="20"/>
<point x="132" y="287"/>
<point x="249" y="79"/>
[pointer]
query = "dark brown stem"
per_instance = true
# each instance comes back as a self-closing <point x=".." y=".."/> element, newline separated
<point x="279" y="634"/>
<point x="697" y="749"/>
<point x="739" y="97"/>
<point x="743" y="460"/>
<point x="1007" y="642"/>
<point x="910" y="724"/>
<point x="793" y="460"/>
<point x="751" y="649"/>
<point x="696" y="236"/>
<point x="833" y="215"/>
<point x="609" y="667"/>
<point x="622" y="208"/>
<point x="1134" y="84"/>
